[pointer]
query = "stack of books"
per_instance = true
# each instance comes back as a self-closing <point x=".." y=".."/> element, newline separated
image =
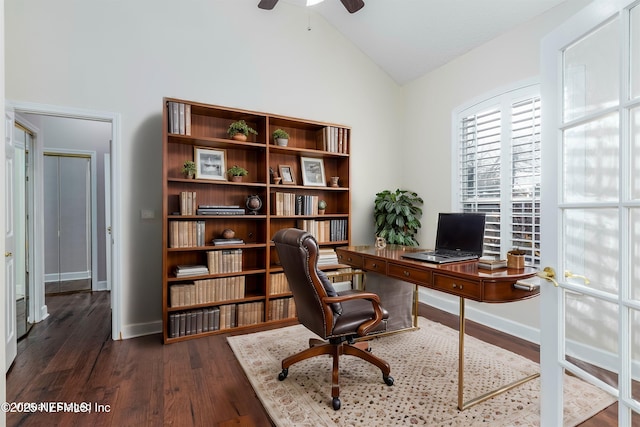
<point x="191" y="270"/>
<point x="490" y="263"/>
<point x="222" y="242"/>
<point x="327" y="257"/>
<point x="220" y="210"/>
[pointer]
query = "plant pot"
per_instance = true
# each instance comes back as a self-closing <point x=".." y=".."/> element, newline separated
<point x="282" y="142"/>
<point x="320" y="211"/>
<point x="190" y="175"/>
<point x="240" y="137"/>
<point x="236" y="178"/>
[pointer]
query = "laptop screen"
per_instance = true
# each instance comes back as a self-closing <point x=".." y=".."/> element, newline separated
<point x="463" y="232"/>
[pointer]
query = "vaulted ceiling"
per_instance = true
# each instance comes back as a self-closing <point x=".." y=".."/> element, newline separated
<point x="408" y="38"/>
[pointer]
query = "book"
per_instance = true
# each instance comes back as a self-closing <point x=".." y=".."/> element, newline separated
<point x="220" y="242"/>
<point x="220" y="211"/>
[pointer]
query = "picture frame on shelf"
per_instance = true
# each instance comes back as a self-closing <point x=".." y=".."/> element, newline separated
<point x="313" y="172"/>
<point x="286" y="173"/>
<point x="211" y="163"/>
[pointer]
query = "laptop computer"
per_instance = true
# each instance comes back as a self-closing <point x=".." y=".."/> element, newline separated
<point x="459" y="237"/>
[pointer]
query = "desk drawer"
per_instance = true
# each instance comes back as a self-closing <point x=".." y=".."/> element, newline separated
<point x="460" y="287"/>
<point x="374" y="264"/>
<point x="408" y="274"/>
<point x="350" y="259"/>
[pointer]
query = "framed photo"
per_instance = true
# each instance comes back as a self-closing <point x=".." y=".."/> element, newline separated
<point x="312" y="171"/>
<point x="211" y="163"/>
<point x="286" y="173"/>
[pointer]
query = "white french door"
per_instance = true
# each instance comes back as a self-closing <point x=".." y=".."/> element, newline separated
<point x="11" y="337"/>
<point x="591" y="204"/>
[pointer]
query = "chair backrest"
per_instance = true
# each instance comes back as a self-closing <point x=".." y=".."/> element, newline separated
<point x="298" y="254"/>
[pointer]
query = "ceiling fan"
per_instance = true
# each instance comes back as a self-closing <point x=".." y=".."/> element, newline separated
<point x="351" y="5"/>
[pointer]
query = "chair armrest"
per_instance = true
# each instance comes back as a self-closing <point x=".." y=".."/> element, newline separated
<point x="364" y="328"/>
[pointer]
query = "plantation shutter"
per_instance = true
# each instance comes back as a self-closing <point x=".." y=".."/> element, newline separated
<point x="499" y="172"/>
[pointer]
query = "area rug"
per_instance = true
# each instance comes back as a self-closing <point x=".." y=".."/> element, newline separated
<point x="424" y="364"/>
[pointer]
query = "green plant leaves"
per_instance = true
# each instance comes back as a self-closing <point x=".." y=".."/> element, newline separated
<point x="397" y="216"/>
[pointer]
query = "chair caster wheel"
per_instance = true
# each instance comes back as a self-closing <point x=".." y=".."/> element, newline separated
<point x="336" y="403"/>
<point x="282" y="375"/>
<point x="388" y="380"/>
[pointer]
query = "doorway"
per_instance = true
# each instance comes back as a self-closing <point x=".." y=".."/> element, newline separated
<point x="109" y="242"/>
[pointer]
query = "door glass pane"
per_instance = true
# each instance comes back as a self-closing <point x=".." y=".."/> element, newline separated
<point x="591" y="70"/>
<point x="634" y="252"/>
<point x="591" y="247"/>
<point x="591" y="161"/>
<point x="590" y="323"/>
<point x="634" y="318"/>
<point x="635" y="52"/>
<point x="635" y="153"/>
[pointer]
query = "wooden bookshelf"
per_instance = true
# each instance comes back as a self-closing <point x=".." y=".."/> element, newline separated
<point x="240" y="296"/>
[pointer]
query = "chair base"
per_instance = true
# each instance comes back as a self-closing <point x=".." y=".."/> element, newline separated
<point x="335" y="348"/>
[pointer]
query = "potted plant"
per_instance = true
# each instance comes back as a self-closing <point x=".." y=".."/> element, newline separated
<point x="240" y="130"/>
<point x="189" y="168"/>
<point x="236" y="173"/>
<point x="397" y="216"/>
<point x="280" y="137"/>
<point x="322" y="205"/>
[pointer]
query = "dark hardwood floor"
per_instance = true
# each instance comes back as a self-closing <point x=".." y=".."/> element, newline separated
<point x="70" y="357"/>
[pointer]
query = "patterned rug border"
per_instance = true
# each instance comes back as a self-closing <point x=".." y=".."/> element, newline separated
<point x="304" y="398"/>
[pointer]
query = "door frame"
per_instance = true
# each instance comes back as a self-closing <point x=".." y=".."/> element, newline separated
<point x="115" y="184"/>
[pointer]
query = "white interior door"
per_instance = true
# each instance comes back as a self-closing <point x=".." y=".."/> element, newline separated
<point x="10" y="244"/>
<point x="591" y="204"/>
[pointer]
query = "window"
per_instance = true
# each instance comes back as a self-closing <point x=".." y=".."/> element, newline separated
<point x="498" y="170"/>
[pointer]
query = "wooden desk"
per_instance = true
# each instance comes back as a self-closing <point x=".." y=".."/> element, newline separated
<point x="462" y="279"/>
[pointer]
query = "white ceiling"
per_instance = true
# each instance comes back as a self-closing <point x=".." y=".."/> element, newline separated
<point x="408" y="38"/>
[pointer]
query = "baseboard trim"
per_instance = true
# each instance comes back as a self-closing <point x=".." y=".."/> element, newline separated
<point x="141" y="329"/>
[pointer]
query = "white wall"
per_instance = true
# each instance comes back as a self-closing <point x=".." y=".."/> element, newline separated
<point x="123" y="57"/>
<point x="430" y="101"/>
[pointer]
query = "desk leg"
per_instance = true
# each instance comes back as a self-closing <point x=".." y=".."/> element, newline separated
<point x="462" y="405"/>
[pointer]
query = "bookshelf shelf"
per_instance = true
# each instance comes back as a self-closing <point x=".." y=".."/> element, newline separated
<point x="257" y="292"/>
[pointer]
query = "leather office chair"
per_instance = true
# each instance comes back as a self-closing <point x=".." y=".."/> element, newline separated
<point x="338" y="318"/>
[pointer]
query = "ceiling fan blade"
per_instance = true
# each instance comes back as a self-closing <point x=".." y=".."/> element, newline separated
<point x="353" y="5"/>
<point x="267" y="4"/>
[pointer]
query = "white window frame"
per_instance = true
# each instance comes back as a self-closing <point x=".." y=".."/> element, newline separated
<point x="502" y="98"/>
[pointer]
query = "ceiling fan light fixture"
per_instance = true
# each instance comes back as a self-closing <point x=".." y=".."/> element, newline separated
<point x="313" y="2"/>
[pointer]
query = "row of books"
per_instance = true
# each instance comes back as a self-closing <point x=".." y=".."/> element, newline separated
<point x="179" y="118"/>
<point x="224" y="261"/>
<point x="249" y="313"/>
<point x="198" y="321"/>
<point x="282" y="308"/>
<point x="193" y="322"/>
<point x="278" y="284"/>
<point x="186" y="234"/>
<point x="325" y="230"/>
<point x="187" y="202"/>
<point x="190" y="270"/>
<point x="206" y="291"/>
<point x="333" y="139"/>
<point x="288" y="204"/>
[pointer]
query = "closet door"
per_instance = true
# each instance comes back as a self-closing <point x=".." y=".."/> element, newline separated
<point x="68" y="223"/>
